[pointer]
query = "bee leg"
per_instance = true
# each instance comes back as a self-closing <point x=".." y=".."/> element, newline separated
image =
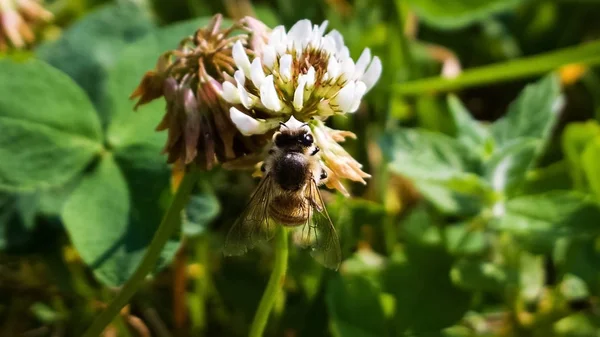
<point x="315" y="151"/>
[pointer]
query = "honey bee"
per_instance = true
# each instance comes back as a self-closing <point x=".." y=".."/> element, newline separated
<point x="288" y="195"/>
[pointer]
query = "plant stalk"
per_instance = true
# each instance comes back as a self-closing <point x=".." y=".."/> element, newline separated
<point x="585" y="54"/>
<point x="169" y="224"/>
<point x="274" y="286"/>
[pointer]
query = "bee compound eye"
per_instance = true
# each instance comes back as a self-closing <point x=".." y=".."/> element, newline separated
<point x="307" y="139"/>
<point x="323" y="174"/>
<point x="263" y="168"/>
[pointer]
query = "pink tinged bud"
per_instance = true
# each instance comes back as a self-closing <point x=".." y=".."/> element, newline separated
<point x="359" y="92"/>
<point x="230" y="93"/>
<point x="268" y="95"/>
<point x="241" y="58"/>
<point x="256" y="72"/>
<point x="362" y="63"/>
<point x="373" y="73"/>
<point x="299" y="94"/>
<point x="285" y="67"/>
<point x="249" y="126"/>
<point x="170" y="88"/>
<point x="345" y="97"/>
<point x="269" y="56"/>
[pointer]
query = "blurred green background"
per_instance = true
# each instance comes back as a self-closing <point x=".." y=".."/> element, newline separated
<point x="482" y="217"/>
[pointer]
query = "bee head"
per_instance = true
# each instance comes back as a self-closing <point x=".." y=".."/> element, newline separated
<point x="294" y="136"/>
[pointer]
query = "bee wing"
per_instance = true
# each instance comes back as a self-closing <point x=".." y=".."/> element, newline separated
<point x="319" y="233"/>
<point x="253" y="225"/>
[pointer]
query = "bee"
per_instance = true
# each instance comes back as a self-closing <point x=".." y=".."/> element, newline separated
<point x="288" y="195"/>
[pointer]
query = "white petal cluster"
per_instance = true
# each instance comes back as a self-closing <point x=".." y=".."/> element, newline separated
<point x="303" y="72"/>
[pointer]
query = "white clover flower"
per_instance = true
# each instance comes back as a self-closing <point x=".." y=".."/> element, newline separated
<point x="304" y="72"/>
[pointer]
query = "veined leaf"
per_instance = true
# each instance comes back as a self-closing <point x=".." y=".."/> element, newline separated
<point x="49" y="130"/>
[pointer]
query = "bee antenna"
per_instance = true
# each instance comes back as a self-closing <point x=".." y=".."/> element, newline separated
<point x="305" y="124"/>
<point x="282" y="124"/>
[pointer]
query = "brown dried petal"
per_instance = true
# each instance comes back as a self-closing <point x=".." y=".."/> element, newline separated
<point x="149" y="89"/>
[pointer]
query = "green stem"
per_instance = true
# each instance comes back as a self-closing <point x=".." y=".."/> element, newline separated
<point x="169" y="224"/>
<point x="274" y="286"/>
<point x="505" y="71"/>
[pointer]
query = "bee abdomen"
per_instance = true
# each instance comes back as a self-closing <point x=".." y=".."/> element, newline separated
<point x="289" y="211"/>
<point x="291" y="171"/>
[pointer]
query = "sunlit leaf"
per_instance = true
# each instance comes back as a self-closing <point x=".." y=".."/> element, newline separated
<point x="507" y="168"/>
<point x="478" y="275"/>
<point x="469" y="131"/>
<point x="531" y="276"/>
<point x="590" y="161"/>
<point x="573" y="288"/>
<point x="49" y="130"/>
<point x="442" y="168"/>
<point x="577" y="325"/>
<point x="545" y="217"/>
<point x="465" y="239"/>
<point x="575" y="139"/>
<point x="532" y="115"/>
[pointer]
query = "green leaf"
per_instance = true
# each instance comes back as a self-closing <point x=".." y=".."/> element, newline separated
<point x="582" y="259"/>
<point x="469" y="131"/>
<point x="590" y="161"/>
<point x="355" y="307"/>
<point x="546" y="217"/>
<point x="202" y="208"/>
<point x="442" y="168"/>
<point x="532" y="276"/>
<point x="533" y="114"/>
<point x="128" y="127"/>
<point x="462" y="239"/>
<point x="427" y="300"/>
<point x="17" y="219"/>
<point x="108" y="226"/>
<point x="575" y="139"/>
<point x="478" y="275"/>
<point x="507" y="168"/>
<point x="581" y="324"/>
<point x="89" y="48"/>
<point x="573" y="288"/>
<point x="459" y="13"/>
<point x="49" y="130"/>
